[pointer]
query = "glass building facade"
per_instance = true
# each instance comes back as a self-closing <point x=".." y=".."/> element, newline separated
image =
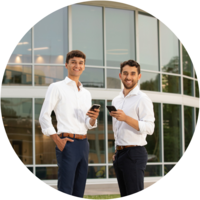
<point x="108" y="35"/>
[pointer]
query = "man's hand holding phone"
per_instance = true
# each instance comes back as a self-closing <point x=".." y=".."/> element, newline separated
<point x="93" y="113"/>
<point x="118" y="114"/>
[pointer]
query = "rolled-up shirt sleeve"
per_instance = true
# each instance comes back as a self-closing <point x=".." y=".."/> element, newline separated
<point x="146" y="116"/>
<point x="51" y="99"/>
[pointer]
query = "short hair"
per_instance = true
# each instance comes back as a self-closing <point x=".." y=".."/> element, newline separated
<point x="75" y="53"/>
<point x="131" y="63"/>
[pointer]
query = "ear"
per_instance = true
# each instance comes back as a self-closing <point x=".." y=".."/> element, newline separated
<point x="139" y="76"/>
<point x="66" y="65"/>
<point x="120" y="76"/>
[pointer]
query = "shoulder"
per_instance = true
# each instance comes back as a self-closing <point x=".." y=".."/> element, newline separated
<point x="117" y="98"/>
<point x="143" y="97"/>
<point x="55" y="85"/>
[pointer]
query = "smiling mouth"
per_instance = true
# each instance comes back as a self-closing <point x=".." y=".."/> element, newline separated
<point x="76" y="70"/>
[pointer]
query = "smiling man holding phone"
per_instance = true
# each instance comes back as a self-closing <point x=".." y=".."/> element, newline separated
<point x="133" y="119"/>
<point x="71" y="104"/>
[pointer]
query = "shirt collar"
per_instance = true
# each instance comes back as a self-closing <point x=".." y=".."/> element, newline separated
<point x="68" y="80"/>
<point x="134" y="91"/>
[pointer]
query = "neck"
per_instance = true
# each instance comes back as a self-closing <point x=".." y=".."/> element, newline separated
<point x="76" y="79"/>
<point x="126" y="91"/>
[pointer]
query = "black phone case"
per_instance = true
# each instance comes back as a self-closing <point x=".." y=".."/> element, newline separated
<point x="111" y="108"/>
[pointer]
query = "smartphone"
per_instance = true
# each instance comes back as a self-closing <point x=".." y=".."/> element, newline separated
<point x="95" y="106"/>
<point x="111" y="108"/>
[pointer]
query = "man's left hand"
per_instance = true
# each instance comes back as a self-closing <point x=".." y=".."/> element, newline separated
<point x="119" y="115"/>
<point x="93" y="114"/>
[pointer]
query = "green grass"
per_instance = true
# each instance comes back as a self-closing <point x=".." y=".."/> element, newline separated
<point x="112" y="196"/>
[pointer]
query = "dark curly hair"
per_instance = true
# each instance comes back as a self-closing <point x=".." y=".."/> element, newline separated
<point x="131" y="63"/>
<point x="75" y="53"/>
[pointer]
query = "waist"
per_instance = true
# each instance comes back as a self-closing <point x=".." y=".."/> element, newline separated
<point x="124" y="147"/>
<point x="72" y="135"/>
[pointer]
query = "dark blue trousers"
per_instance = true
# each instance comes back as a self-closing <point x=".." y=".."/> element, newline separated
<point x="73" y="167"/>
<point x="129" y="166"/>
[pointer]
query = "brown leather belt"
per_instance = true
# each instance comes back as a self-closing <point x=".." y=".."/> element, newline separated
<point x="123" y="147"/>
<point x="71" y="135"/>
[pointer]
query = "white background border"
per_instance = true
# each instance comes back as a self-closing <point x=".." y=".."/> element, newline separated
<point x="18" y="16"/>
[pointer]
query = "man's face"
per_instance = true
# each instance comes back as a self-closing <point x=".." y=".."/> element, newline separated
<point x="129" y="76"/>
<point x="75" y="66"/>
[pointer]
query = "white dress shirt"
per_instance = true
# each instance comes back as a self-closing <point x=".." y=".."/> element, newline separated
<point x="70" y="107"/>
<point x="138" y="106"/>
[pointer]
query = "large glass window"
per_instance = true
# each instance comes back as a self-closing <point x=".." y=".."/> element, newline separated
<point x="17" y="75"/>
<point x="188" y="86"/>
<point x="189" y="124"/>
<point x="153" y="170"/>
<point x="196" y="89"/>
<point x="120" y="36"/>
<point x="87" y="32"/>
<point x="96" y="172"/>
<point x="51" y="38"/>
<point x="154" y="141"/>
<point x="47" y="173"/>
<point x="17" y="120"/>
<point x="96" y="137"/>
<point x="187" y="63"/>
<point x="170" y="61"/>
<point x="23" y="50"/>
<point x="197" y="114"/>
<point x="150" y="81"/>
<point x="113" y="80"/>
<point x="172" y="132"/>
<point x="148" y="42"/>
<point x="171" y="84"/>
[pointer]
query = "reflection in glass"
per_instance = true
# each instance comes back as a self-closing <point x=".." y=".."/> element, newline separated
<point x="148" y="42"/>
<point x="153" y="170"/>
<point x="45" y="75"/>
<point x="150" y="81"/>
<point x="47" y="173"/>
<point x="111" y="172"/>
<point x="17" y="120"/>
<point x="17" y="75"/>
<point x="87" y="32"/>
<point x="96" y="172"/>
<point x="93" y="77"/>
<point x="170" y="60"/>
<point x="171" y="84"/>
<point x="111" y="139"/>
<point x="189" y="124"/>
<point x="30" y="168"/>
<point x="196" y="89"/>
<point x="44" y="145"/>
<point x="197" y="114"/>
<point x="188" y="86"/>
<point x="153" y="146"/>
<point x="113" y="80"/>
<point x="23" y="50"/>
<point x="187" y="63"/>
<point x="167" y="168"/>
<point x="120" y="36"/>
<point x="96" y="137"/>
<point x="50" y="38"/>
<point x="172" y="132"/>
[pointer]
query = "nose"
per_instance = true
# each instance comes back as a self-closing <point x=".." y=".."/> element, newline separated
<point x="128" y="76"/>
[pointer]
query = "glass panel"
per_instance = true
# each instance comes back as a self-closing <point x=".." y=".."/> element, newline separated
<point x="45" y="75"/>
<point x="111" y="172"/>
<point x="189" y="124"/>
<point x="17" y="75"/>
<point x="23" y="50"/>
<point x="197" y="114"/>
<point x="113" y="80"/>
<point x="148" y="42"/>
<point x="96" y="137"/>
<point x="172" y="132"/>
<point x="111" y="139"/>
<point x="196" y="89"/>
<point x="167" y="168"/>
<point x="17" y="120"/>
<point x="153" y="146"/>
<point x="170" y="60"/>
<point x="195" y="75"/>
<point x="187" y="63"/>
<point x="150" y="81"/>
<point x="96" y="172"/>
<point x="30" y="168"/>
<point x="44" y="145"/>
<point x="47" y="173"/>
<point x="93" y="77"/>
<point x="153" y="170"/>
<point x="171" y="84"/>
<point x="50" y="38"/>
<point x="120" y="36"/>
<point x="188" y="86"/>
<point x="87" y="32"/>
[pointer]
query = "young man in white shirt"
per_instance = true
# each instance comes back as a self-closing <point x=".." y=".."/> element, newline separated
<point x="132" y="121"/>
<point x="71" y="103"/>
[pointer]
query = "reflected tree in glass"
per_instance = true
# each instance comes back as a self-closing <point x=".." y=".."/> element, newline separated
<point x="187" y="63"/>
<point x="96" y="172"/>
<point x="196" y="89"/>
<point x="167" y="168"/>
<point x="197" y="114"/>
<point x="188" y="86"/>
<point x="171" y="84"/>
<point x="153" y="170"/>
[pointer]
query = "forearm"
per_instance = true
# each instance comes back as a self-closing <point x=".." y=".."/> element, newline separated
<point x="92" y="121"/>
<point x="55" y="138"/>
<point x="132" y="122"/>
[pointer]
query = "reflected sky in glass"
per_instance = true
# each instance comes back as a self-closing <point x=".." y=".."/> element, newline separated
<point x="113" y="80"/>
<point x="169" y="50"/>
<point x="120" y="36"/>
<point x="87" y="32"/>
<point x="148" y="42"/>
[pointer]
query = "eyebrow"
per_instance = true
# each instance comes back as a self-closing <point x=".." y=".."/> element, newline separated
<point x="79" y="61"/>
<point x="128" y="72"/>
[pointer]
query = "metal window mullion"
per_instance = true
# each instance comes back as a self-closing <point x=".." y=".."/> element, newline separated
<point x="33" y="60"/>
<point x="70" y="27"/>
<point x="162" y="139"/>
<point x="181" y="67"/>
<point x="106" y="138"/>
<point x="104" y="45"/>
<point x="33" y="134"/>
<point x="159" y="54"/>
<point x="183" y="129"/>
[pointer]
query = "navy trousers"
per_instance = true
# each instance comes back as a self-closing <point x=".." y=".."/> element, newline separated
<point x="73" y="167"/>
<point x="129" y="165"/>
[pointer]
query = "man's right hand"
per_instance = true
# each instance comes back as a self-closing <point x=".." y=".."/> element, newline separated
<point x="113" y="157"/>
<point x="60" y="142"/>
